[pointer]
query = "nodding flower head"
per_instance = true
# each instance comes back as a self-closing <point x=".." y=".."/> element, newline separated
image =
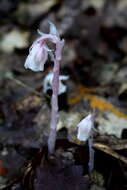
<point x="84" y="128"/>
<point x="38" y="53"/>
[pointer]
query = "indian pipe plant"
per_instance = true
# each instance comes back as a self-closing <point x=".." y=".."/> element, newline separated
<point x="38" y="55"/>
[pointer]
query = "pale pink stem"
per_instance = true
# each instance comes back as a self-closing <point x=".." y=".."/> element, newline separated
<point x="54" y="105"/>
<point x="91" y="154"/>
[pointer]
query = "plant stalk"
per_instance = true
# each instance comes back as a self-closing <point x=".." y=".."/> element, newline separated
<point x="54" y="107"/>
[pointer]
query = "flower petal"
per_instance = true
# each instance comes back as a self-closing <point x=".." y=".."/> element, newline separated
<point x="47" y="83"/>
<point x="85" y="127"/>
<point x="37" y="57"/>
<point x="53" y="30"/>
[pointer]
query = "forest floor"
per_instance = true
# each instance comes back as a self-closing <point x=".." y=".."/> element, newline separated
<point x="95" y="59"/>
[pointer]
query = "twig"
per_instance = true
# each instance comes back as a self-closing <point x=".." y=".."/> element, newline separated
<point x="109" y="151"/>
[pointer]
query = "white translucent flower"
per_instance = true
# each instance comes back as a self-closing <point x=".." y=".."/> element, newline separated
<point x="47" y="83"/>
<point x="84" y="128"/>
<point x="37" y="57"/>
<point x="39" y="50"/>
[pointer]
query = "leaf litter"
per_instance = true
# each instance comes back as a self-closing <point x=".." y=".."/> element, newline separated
<point x="24" y="118"/>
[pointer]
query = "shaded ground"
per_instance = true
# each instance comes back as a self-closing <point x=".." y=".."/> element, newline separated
<point x="94" y="58"/>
